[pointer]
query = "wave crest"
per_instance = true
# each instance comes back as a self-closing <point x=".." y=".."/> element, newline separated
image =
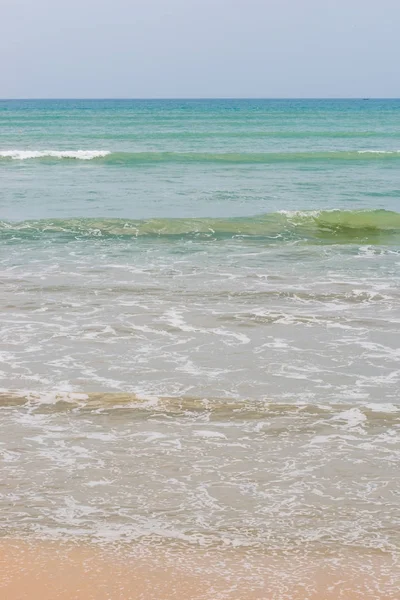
<point x="76" y="154"/>
<point x="133" y="158"/>
<point x="331" y="226"/>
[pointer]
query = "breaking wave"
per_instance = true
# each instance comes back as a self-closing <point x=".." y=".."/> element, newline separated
<point x="332" y="226"/>
<point x="72" y="154"/>
<point x="132" y="158"/>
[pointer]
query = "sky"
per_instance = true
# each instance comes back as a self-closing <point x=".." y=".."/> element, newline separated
<point x="199" y="48"/>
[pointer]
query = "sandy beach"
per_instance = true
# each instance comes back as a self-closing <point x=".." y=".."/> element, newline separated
<point x="50" y="571"/>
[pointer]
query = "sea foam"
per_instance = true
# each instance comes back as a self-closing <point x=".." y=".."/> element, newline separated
<point x="76" y="154"/>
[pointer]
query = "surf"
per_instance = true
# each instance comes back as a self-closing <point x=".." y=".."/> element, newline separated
<point x="329" y="226"/>
<point x="138" y="158"/>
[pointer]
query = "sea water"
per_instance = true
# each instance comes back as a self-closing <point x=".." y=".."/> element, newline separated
<point x="200" y="321"/>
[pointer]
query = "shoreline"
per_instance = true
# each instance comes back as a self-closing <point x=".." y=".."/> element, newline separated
<point x="50" y="570"/>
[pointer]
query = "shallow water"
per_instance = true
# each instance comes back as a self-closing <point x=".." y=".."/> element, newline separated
<point x="199" y="324"/>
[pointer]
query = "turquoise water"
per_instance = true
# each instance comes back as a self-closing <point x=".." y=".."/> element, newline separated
<point x="209" y="284"/>
<point x="198" y="158"/>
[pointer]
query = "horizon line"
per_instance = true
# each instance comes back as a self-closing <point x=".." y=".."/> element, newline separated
<point x="193" y="98"/>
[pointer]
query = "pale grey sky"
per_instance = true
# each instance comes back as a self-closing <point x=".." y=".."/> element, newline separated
<point x="199" y="48"/>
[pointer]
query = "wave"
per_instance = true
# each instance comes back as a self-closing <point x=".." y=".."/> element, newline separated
<point x="326" y="226"/>
<point x="72" y="154"/>
<point x="132" y="158"/>
<point x="219" y="408"/>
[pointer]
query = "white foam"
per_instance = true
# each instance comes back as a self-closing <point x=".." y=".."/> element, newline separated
<point x="378" y="151"/>
<point x="353" y="417"/>
<point x="203" y="433"/>
<point x="99" y="482"/>
<point x="76" y="154"/>
<point x="384" y="407"/>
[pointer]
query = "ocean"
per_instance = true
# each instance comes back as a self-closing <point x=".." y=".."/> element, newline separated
<point x="200" y="324"/>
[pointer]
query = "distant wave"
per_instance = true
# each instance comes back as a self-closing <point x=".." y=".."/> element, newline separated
<point x="73" y="154"/>
<point x="132" y="158"/>
<point x="330" y="226"/>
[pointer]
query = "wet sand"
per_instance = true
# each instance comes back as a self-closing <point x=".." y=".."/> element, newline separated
<point x="53" y="571"/>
